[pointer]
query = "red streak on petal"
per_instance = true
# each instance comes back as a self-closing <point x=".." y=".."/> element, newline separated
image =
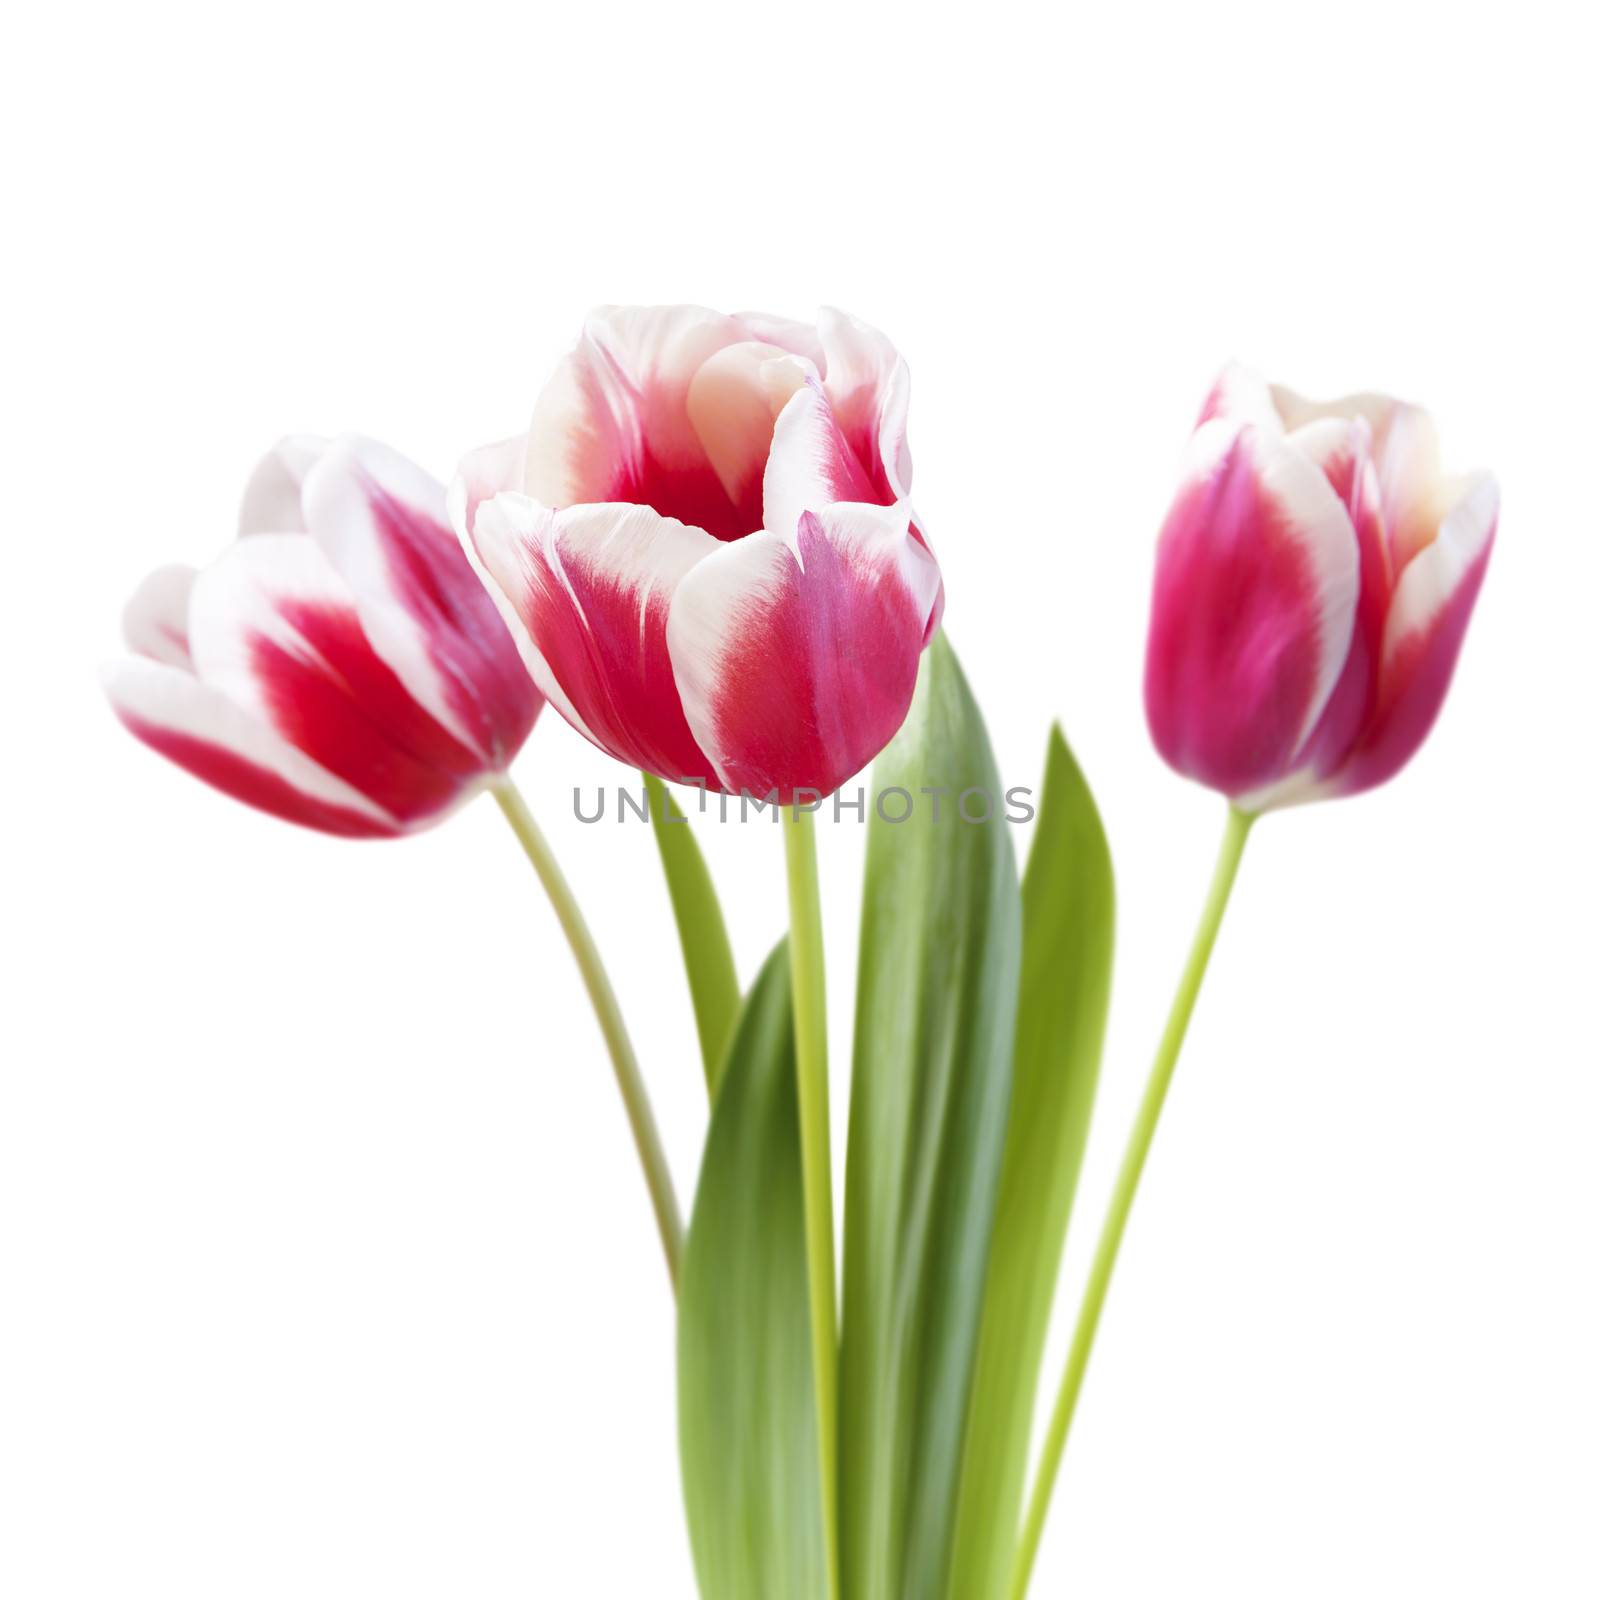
<point x="819" y="679"/>
<point x="333" y="697"/>
<point x="692" y="493"/>
<point x="256" y="786"/>
<point x="1412" y="691"/>
<point x="1233" y="649"/>
<point x="615" y="668"/>
<point x="486" y="684"/>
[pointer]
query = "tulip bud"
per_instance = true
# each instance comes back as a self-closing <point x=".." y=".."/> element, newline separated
<point x="1314" y="580"/>
<point x="340" y="666"/>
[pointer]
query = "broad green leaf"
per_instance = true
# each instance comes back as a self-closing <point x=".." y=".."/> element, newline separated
<point x="1068" y="913"/>
<point x="747" y="1425"/>
<point x="935" y="1012"/>
<point x="707" y="954"/>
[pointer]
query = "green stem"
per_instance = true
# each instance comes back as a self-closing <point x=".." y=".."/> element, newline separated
<point x="811" y="1056"/>
<point x="1127" y="1185"/>
<point x="635" y="1097"/>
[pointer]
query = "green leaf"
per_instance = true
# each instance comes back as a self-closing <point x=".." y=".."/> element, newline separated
<point x="936" y="1008"/>
<point x="1068" y="917"/>
<point x="707" y="954"/>
<point x="747" y="1423"/>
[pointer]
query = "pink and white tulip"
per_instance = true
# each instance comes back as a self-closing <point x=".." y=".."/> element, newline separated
<point x="1314" y="581"/>
<point x="705" y="547"/>
<point x="340" y="665"/>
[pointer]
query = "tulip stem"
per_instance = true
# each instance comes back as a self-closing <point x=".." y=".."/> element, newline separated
<point x="635" y="1097"/>
<point x="1127" y="1185"/>
<point x="811" y="1058"/>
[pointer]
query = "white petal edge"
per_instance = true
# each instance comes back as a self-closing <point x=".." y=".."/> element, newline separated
<point x="859" y="355"/>
<point x="339" y="517"/>
<point x="481" y="474"/>
<point x="155" y="621"/>
<point x="799" y="338"/>
<point x="238" y="598"/>
<point x="1241" y="395"/>
<point x="643" y="549"/>
<point x="167" y="697"/>
<point x="1434" y="574"/>
<point x="1319" y="523"/>
<point x="713" y="599"/>
<point x="271" y="502"/>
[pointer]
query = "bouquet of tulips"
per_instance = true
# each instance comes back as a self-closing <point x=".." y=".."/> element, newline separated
<point x="704" y="555"/>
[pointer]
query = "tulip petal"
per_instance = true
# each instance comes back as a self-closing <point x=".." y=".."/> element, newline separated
<point x="590" y="589"/>
<point x="1408" y="474"/>
<point x="1240" y="395"/>
<point x="810" y="465"/>
<point x="275" y="629"/>
<point x="155" y="622"/>
<point x="1405" y="451"/>
<point x="382" y="523"/>
<point x="1342" y="450"/>
<point x="798" y="338"/>
<point x="734" y="403"/>
<point x="271" y="502"/>
<point x="869" y="387"/>
<point x="499" y="468"/>
<point x="205" y="733"/>
<point x="1427" y="622"/>
<point x="796" y="661"/>
<point x="1255" y="598"/>
<point x="613" y="424"/>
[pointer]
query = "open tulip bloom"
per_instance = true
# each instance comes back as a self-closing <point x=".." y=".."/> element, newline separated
<point x="705" y="545"/>
<point x="703" y="553"/>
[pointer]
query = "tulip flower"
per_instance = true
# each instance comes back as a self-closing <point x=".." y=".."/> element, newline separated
<point x="1314" y="581"/>
<point x="339" y="665"/>
<point x="705" y="547"/>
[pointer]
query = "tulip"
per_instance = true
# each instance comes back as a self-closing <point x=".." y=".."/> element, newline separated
<point x="340" y="665"/>
<point x="705" y="549"/>
<point x="1314" y="581"/>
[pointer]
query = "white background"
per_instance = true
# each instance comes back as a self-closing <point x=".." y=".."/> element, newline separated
<point x="324" y="1269"/>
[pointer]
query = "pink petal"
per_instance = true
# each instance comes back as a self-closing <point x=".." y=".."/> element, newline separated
<point x="796" y="662"/>
<point x="869" y="388"/>
<point x="1405" y="452"/>
<point x="1255" y="595"/>
<point x="275" y="630"/>
<point x="209" y="736"/>
<point x="614" y="425"/>
<point x="155" y="622"/>
<point x="810" y="465"/>
<point x="1427" y="622"/>
<point x="1341" y="449"/>
<point x="382" y="523"/>
<point x="590" y="590"/>
<point x="734" y="402"/>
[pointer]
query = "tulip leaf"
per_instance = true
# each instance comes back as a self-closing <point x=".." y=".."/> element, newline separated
<point x="1068" y="916"/>
<point x="747" y="1424"/>
<point x="707" y="953"/>
<point x="936" y="1007"/>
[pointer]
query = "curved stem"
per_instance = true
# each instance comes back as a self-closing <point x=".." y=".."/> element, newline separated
<point x="811" y="1058"/>
<point x="1127" y="1185"/>
<point x="635" y="1097"/>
